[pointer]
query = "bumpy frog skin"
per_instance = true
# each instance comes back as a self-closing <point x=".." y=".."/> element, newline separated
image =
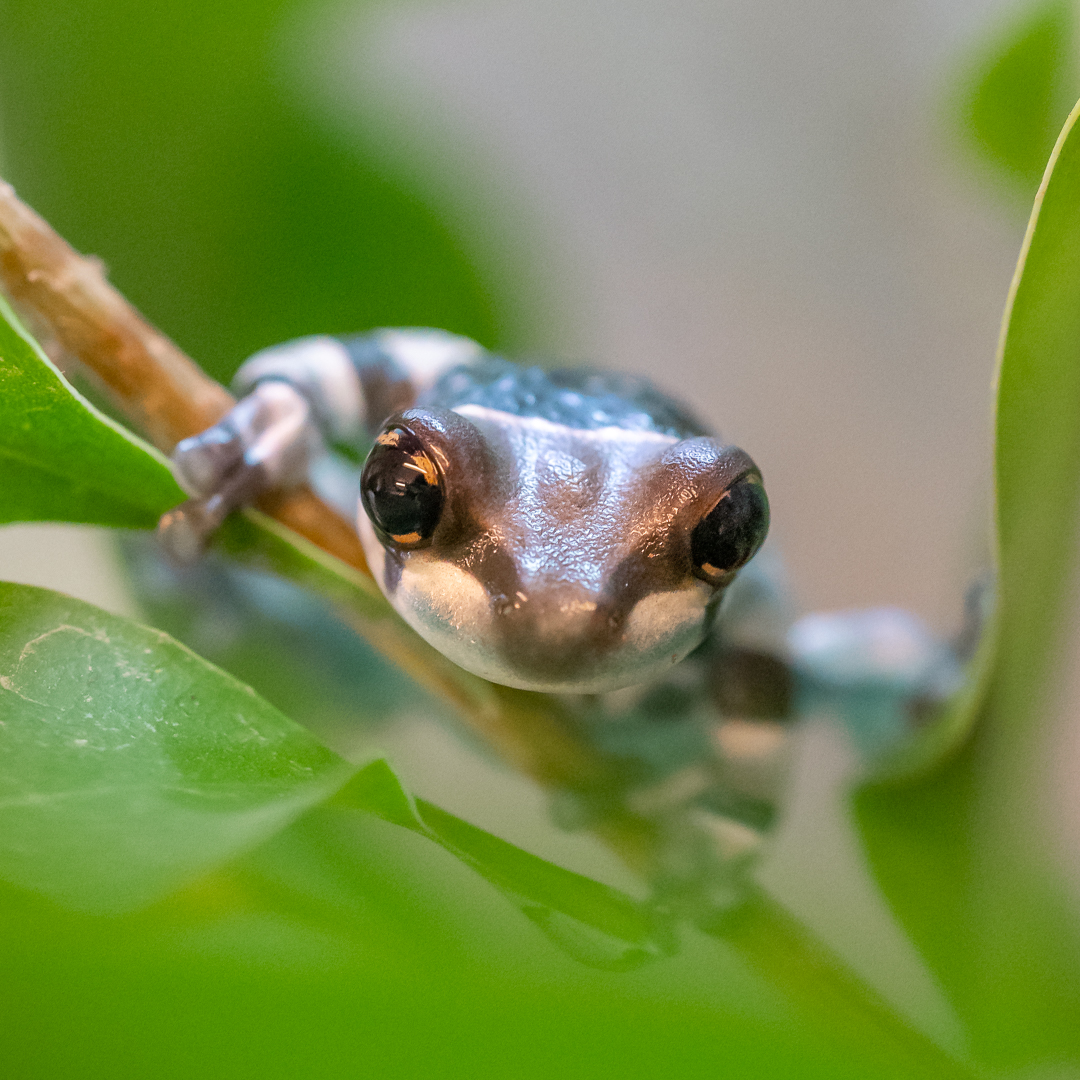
<point x="566" y="531"/>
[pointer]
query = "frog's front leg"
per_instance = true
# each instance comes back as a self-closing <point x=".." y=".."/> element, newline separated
<point x="295" y="400"/>
<point x="265" y="442"/>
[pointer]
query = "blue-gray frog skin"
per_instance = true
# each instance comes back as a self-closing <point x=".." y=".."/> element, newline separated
<point x="565" y="531"/>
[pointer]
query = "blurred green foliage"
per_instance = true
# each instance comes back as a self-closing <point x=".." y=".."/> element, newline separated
<point x="168" y="140"/>
<point x="1016" y="90"/>
<point x="962" y="855"/>
<point x="346" y="947"/>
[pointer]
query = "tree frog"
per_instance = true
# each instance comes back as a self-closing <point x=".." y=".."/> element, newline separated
<point x="563" y="531"/>
<point x="580" y="533"/>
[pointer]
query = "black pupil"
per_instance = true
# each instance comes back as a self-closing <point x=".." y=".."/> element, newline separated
<point x="732" y="531"/>
<point x="401" y="488"/>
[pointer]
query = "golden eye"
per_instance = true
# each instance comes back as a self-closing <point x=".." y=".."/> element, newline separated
<point x="401" y="489"/>
<point x="730" y="534"/>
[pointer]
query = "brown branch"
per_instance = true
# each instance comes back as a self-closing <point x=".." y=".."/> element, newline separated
<point x="159" y="388"/>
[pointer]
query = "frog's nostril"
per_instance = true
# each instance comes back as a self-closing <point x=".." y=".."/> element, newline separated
<point x="564" y="607"/>
<point x="505" y="606"/>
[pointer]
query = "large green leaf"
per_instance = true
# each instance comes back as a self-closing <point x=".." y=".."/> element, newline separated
<point x="61" y="459"/>
<point x="962" y="855"/>
<point x="128" y="765"/>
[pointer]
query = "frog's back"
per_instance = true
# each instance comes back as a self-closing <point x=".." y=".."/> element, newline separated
<point x="580" y="398"/>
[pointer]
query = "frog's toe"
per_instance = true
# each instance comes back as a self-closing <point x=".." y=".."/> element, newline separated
<point x="884" y="648"/>
<point x="204" y="461"/>
<point x="184" y="531"/>
<point x="881" y="671"/>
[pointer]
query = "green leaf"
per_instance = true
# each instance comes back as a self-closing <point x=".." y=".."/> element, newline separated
<point x="962" y="855"/>
<point x="346" y="947"/>
<point x="128" y="765"/>
<point x="1018" y="89"/>
<point x="593" y="923"/>
<point x="1037" y="450"/>
<point x="63" y="460"/>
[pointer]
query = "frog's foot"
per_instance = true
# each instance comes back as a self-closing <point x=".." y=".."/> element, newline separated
<point x="265" y="442"/>
<point x="881" y="670"/>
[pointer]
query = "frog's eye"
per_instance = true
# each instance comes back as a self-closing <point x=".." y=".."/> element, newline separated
<point x="402" y="489"/>
<point x="732" y="531"/>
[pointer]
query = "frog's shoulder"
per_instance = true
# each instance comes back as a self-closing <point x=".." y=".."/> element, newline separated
<point x="581" y="397"/>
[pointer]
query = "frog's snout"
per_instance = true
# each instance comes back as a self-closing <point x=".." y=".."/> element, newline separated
<point x="554" y="632"/>
<point x="573" y="639"/>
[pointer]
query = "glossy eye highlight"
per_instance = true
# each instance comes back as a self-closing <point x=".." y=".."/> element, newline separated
<point x="732" y="531"/>
<point x="401" y="489"/>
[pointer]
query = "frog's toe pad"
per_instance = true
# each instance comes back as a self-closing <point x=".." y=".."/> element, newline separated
<point x="185" y="530"/>
<point x="205" y="460"/>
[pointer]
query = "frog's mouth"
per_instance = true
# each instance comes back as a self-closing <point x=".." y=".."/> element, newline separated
<point x="561" y="645"/>
<point x="574" y="644"/>
<point x="550" y="635"/>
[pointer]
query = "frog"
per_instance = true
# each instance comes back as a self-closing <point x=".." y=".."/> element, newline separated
<point x="581" y="533"/>
<point x="564" y="531"/>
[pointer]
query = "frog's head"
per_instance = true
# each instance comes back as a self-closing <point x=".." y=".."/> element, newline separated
<point x="553" y="558"/>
